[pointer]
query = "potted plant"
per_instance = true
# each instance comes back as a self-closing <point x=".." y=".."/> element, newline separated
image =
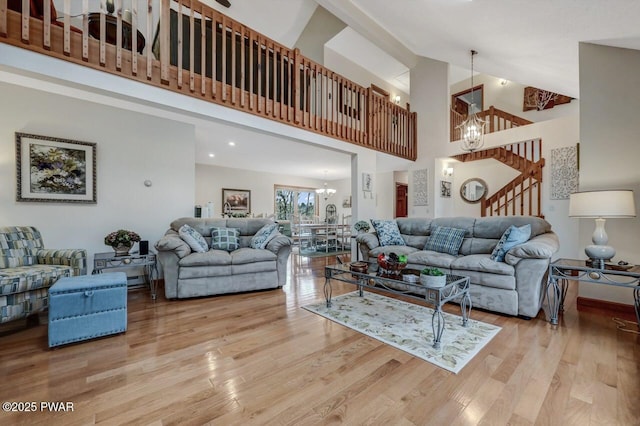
<point x="361" y="226"/>
<point x="121" y="241"/>
<point x="432" y="277"/>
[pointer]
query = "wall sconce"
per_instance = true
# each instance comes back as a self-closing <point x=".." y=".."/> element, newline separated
<point x="396" y="99"/>
<point x="447" y="172"/>
<point x="503" y="82"/>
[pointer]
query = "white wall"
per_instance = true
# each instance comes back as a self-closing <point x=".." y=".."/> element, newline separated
<point x="343" y="66"/>
<point x="430" y="99"/>
<point x="211" y="179"/>
<point x="321" y="28"/>
<point x="131" y="148"/>
<point x="609" y="149"/>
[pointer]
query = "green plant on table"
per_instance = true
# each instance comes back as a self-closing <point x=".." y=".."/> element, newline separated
<point x="434" y="272"/>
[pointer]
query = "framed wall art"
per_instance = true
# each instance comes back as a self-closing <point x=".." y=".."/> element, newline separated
<point x="236" y="200"/>
<point x="445" y="189"/>
<point x="55" y="170"/>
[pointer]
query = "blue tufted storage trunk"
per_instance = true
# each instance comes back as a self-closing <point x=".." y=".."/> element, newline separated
<point x="86" y="307"/>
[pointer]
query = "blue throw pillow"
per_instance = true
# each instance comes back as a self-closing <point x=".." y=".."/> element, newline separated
<point x="193" y="238"/>
<point x="225" y="239"/>
<point x="445" y="240"/>
<point x="263" y="236"/>
<point x="511" y="237"/>
<point x="388" y="232"/>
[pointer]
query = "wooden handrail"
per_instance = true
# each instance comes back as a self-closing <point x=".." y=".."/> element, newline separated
<point x="525" y="157"/>
<point x="199" y="52"/>
<point x="496" y="119"/>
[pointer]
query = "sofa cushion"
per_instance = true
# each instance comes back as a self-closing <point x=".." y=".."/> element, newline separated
<point x="388" y="232"/>
<point x="482" y="263"/>
<point x="19" y="246"/>
<point x="511" y="238"/>
<point x="26" y="278"/>
<point x="192" y="237"/>
<point x="225" y="239"/>
<point x="392" y="249"/>
<point x="209" y="258"/>
<point x="264" y="235"/>
<point x="249" y="255"/>
<point x="431" y="258"/>
<point x="445" y="240"/>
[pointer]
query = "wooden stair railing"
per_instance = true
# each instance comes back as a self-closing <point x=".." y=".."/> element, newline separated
<point x="497" y="120"/>
<point x="520" y="196"/>
<point x="209" y="56"/>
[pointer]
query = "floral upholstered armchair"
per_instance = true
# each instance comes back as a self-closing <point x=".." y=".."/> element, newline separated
<point x="27" y="270"/>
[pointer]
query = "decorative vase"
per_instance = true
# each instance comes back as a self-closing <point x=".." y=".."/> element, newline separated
<point x="433" y="280"/>
<point x="122" y="249"/>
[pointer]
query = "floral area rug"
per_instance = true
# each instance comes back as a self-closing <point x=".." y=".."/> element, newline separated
<point x="407" y="326"/>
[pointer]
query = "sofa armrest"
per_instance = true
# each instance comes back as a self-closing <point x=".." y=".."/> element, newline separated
<point x="171" y="241"/>
<point x="542" y="246"/>
<point x="276" y="244"/>
<point x="281" y="246"/>
<point x="76" y="258"/>
<point x="370" y="239"/>
<point x="367" y="241"/>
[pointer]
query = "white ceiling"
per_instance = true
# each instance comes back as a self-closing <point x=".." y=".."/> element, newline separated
<point x="529" y="42"/>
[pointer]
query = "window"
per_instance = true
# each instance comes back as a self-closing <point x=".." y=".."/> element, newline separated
<point x="294" y="201"/>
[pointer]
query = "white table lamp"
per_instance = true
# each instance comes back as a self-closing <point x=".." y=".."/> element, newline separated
<point x="601" y="205"/>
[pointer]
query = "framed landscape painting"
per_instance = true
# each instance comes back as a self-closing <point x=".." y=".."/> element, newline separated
<point x="239" y="200"/>
<point x="55" y="170"/>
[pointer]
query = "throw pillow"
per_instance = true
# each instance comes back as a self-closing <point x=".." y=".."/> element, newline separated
<point x="263" y="236"/>
<point x="511" y="238"/>
<point x="225" y="239"/>
<point x="388" y="232"/>
<point x="192" y="237"/>
<point x="445" y="240"/>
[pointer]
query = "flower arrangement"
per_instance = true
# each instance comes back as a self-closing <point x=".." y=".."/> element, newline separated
<point x="121" y="237"/>
<point x="362" y="226"/>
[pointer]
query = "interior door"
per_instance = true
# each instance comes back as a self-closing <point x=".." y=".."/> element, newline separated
<point x="401" y="199"/>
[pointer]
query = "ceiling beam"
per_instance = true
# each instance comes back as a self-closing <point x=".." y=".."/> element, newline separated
<point x="355" y="18"/>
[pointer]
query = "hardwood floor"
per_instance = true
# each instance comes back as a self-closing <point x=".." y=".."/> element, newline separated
<point x="258" y="358"/>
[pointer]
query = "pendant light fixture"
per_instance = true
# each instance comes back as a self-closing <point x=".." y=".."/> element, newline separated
<point x="325" y="191"/>
<point x="473" y="127"/>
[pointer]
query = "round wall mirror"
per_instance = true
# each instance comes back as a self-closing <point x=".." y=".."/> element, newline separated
<point x="473" y="190"/>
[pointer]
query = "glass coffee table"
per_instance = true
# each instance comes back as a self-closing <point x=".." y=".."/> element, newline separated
<point x="457" y="287"/>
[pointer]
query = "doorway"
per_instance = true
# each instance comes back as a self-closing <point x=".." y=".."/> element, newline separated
<point x="463" y="104"/>
<point x="402" y="190"/>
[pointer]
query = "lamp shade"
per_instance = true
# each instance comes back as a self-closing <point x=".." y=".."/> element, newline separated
<point x="594" y="204"/>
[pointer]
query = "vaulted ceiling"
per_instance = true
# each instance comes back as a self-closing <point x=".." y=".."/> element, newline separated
<point x="530" y="42"/>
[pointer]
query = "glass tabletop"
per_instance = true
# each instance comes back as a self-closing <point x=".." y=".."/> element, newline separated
<point x="342" y="272"/>
<point x="583" y="265"/>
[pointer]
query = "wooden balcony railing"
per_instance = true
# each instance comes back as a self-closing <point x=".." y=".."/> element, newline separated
<point x="222" y="61"/>
<point x="496" y="119"/>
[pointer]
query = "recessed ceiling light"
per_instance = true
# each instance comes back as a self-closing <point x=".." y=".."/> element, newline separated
<point x="232" y="144"/>
<point x="212" y="155"/>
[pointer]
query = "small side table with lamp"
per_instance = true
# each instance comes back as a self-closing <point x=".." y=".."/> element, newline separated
<point x="600" y="205"/>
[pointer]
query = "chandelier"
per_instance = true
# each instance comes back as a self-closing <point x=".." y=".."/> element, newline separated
<point x="473" y="127"/>
<point x="325" y="190"/>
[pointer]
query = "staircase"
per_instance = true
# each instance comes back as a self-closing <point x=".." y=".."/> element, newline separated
<point x="521" y="196"/>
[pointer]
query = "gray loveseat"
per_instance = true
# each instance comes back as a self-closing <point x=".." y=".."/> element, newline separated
<point x="190" y="274"/>
<point x="513" y="287"/>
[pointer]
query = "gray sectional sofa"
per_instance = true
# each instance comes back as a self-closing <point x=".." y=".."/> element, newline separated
<point x="513" y="287"/>
<point x="190" y="274"/>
